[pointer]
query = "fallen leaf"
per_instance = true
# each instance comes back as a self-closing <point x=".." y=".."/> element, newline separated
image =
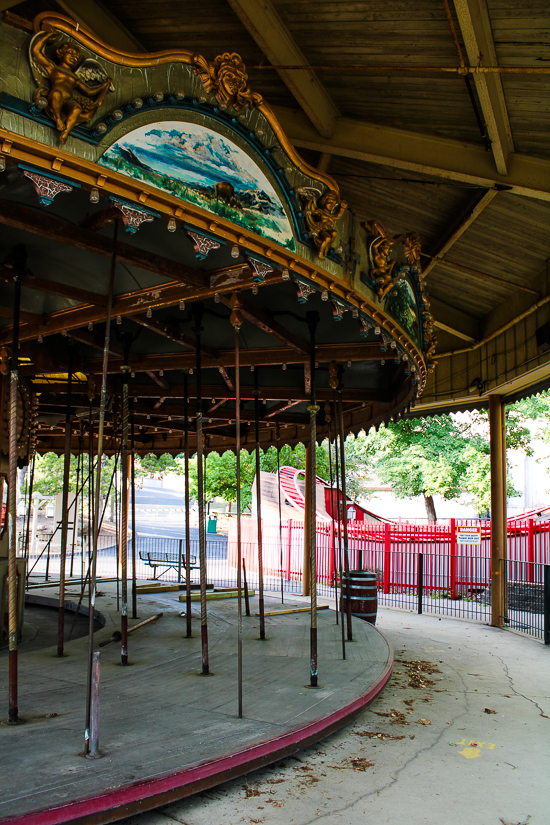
<point x="488" y="710"/>
<point x="51" y="715"/>
<point x="423" y="722"/>
<point x="361" y="764"/>
<point x="251" y="792"/>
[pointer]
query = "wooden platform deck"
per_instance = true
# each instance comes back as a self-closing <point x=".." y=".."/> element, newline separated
<point x="166" y="731"/>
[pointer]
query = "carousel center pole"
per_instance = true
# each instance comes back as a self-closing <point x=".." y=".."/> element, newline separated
<point x="188" y="616"/>
<point x="65" y="508"/>
<point x="13" y="705"/>
<point x="97" y="493"/>
<point x="313" y="319"/>
<point x="197" y="312"/>
<point x="259" y="504"/>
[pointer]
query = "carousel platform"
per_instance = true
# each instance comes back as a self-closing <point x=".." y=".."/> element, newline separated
<point x="167" y="732"/>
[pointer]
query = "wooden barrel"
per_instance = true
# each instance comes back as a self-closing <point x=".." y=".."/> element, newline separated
<point x="363" y="595"/>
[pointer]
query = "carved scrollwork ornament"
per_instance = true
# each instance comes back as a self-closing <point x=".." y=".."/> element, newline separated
<point x="226" y="78"/>
<point x="382" y="266"/>
<point x="321" y="214"/>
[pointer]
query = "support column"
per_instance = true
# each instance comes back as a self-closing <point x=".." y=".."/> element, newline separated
<point x="197" y="314"/>
<point x="125" y="464"/>
<point x="65" y="509"/>
<point x="498" y="509"/>
<point x="306" y="576"/>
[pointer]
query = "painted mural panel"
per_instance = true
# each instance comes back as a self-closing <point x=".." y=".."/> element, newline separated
<point x="201" y="166"/>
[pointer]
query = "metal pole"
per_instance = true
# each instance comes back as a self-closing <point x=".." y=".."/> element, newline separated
<point x="94" y="723"/>
<point x="498" y="510"/>
<point x="65" y="508"/>
<point x="93" y="560"/>
<point x="313" y="318"/>
<point x="328" y="418"/>
<point x="339" y="517"/>
<point x="13" y="709"/>
<point x="547" y="604"/>
<point x="188" y="616"/>
<point x="29" y="500"/>
<point x="245" y="588"/>
<point x="125" y="460"/>
<point x="344" y="507"/>
<point x="420" y="581"/>
<point x="239" y="545"/>
<point x="75" y="504"/>
<point x="280" y="524"/>
<point x="259" y="506"/>
<point x="134" y="550"/>
<point x="198" y="309"/>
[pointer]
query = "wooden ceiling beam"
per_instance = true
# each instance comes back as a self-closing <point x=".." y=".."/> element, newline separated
<point x="38" y="222"/>
<point x="274" y="39"/>
<point x="159" y="379"/>
<point x="453" y="320"/>
<point x="95" y="341"/>
<point x="263" y="321"/>
<point x="171" y="332"/>
<point x="222" y="414"/>
<point x="475" y="25"/>
<point x="477" y="204"/>
<point x="425" y="154"/>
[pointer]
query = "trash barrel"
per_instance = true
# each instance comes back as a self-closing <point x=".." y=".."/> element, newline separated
<point x="363" y="592"/>
<point x="212" y="524"/>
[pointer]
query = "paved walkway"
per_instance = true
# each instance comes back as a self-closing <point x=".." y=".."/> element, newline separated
<point x="468" y="744"/>
<point x="160" y="718"/>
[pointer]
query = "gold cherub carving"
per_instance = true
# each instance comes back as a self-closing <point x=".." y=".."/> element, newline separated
<point x="379" y="255"/>
<point x="321" y="214"/>
<point x="68" y="74"/>
<point x="413" y="249"/>
<point x="226" y="78"/>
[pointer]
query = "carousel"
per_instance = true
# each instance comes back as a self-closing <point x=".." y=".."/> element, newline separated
<point x="177" y="279"/>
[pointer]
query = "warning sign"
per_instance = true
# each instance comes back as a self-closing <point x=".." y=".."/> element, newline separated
<point x="468" y="535"/>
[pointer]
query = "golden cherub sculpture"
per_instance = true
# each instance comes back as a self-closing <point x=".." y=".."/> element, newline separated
<point x="70" y="100"/>
<point x="320" y="215"/>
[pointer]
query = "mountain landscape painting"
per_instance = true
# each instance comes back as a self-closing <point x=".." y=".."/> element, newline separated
<point x="201" y="166"/>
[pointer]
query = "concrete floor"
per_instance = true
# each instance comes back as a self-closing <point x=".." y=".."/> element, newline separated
<point x="472" y="744"/>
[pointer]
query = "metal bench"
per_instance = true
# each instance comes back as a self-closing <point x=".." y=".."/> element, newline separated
<point x="167" y="560"/>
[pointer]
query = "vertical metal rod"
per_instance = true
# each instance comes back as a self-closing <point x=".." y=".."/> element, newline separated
<point x="547" y="604"/>
<point x="94" y="718"/>
<point x="239" y="544"/>
<point x="75" y="504"/>
<point x="65" y="508"/>
<point x="339" y="517"/>
<point x="280" y="523"/>
<point x="29" y="498"/>
<point x="97" y="491"/>
<point x="13" y="704"/>
<point x="125" y="460"/>
<point x="258" y="507"/>
<point x="200" y="493"/>
<point x="245" y="586"/>
<point x="117" y="533"/>
<point x="420" y="581"/>
<point x="134" y="549"/>
<point x="188" y="617"/>
<point x="313" y="409"/>
<point x="344" y="508"/>
<point x="334" y="562"/>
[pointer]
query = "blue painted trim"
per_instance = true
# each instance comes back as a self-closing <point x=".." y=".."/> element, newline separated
<point x="48" y="174"/>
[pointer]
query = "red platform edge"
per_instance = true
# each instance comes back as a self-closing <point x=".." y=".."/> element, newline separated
<point x="139" y="797"/>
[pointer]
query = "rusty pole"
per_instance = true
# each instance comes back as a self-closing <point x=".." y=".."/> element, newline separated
<point x="239" y="544"/>
<point x="97" y="491"/>
<point x="328" y="419"/>
<point x="13" y="703"/>
<point x="134" y="553"/>
<point x="339" y="522"/>
<point x="65" y="508"/>
<point x="259" y="504"/>
<point x="344" y="508"/>
<point x="313" y="319"/>
<point x="188" y="616"/>
<point x="197" y="312"/>
<point x="125" y="467"/>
